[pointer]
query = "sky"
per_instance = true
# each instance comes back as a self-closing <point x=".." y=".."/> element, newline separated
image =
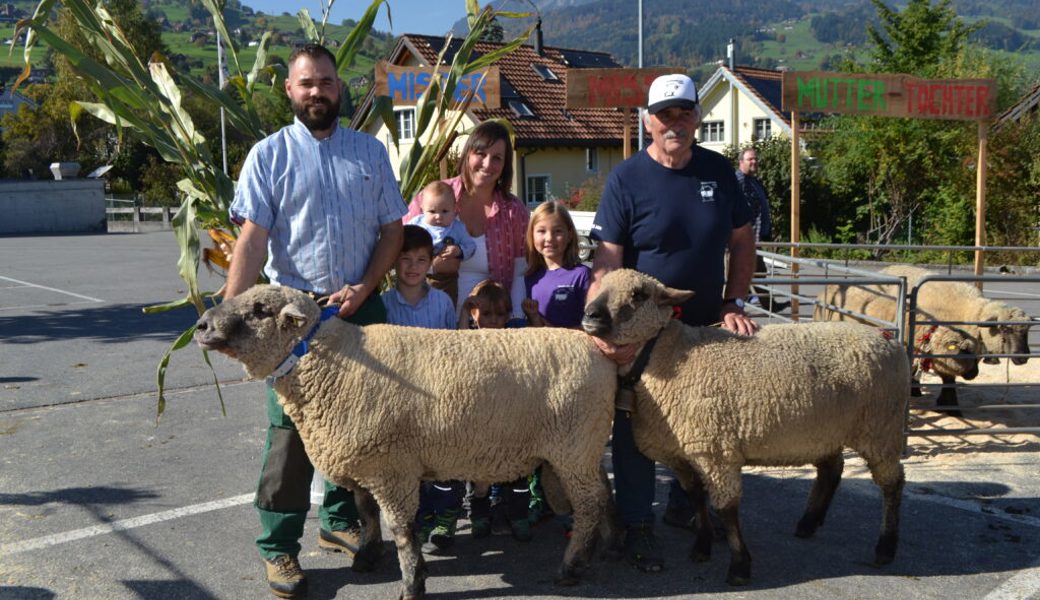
<point x="430" y="17"/>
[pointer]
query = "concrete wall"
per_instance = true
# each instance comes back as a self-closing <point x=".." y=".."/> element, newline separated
<point x="67" y="206"/>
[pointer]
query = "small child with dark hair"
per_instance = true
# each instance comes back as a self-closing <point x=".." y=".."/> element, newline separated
<point x="450" y="238"/>
<point x="503" y="508"/>
<point x="412" y="302"/>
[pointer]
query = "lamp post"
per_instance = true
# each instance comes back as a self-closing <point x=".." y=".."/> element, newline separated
<point x="638" y="113"/>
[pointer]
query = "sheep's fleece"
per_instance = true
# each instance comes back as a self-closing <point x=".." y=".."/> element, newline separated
<point x="710" y="402"/>
<point x="381" y="407"/>
<point x="878" y="300"/>
<point x="960" y="301"/>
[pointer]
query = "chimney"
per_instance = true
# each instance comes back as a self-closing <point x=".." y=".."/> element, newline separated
<point x="538" y="37"/>
<point x="731" y="51"/>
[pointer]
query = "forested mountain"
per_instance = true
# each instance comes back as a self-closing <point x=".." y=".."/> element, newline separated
<point x="694" y="33"/>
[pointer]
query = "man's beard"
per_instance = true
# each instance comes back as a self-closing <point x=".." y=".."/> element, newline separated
<point x="321" y="120"/>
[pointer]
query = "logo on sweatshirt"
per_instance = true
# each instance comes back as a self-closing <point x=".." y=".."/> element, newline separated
<point x="708" y="191"/>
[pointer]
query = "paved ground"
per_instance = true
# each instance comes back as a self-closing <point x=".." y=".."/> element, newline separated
<point x="97" y="501"/>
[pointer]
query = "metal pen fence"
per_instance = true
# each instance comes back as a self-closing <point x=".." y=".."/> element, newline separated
<point x="800" y="280"/>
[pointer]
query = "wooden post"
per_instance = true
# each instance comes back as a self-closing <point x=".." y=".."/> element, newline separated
<point x="626" y="133"/>
<point x="796" y="208"/>
<point x="980" y="201"/>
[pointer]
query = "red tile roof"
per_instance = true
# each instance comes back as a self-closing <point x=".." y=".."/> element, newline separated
<point x="551" y="124"/>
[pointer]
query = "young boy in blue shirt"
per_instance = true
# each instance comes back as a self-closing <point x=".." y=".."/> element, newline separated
<point x="413" y="303"/>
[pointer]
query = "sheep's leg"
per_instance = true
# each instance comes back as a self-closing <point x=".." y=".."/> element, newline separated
<point x="701" y="550"/>
<point x="740" y="559"/>
<point x="590" y="503"/>
<point x="889" y="476"/>
<point x="948" y="397"/>
<point x="828" y="477"/>
<point x="399" y="507"/>
<point x="610" y="525"/>
<point x="371" y="550"/>
<point x="724" y="486"/>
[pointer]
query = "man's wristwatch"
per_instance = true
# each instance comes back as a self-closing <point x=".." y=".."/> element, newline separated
<point x="739" y="302"/>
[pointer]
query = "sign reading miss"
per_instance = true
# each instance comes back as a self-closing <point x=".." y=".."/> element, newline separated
<point x="405" y="85"/>
<point x="889" y="95"/>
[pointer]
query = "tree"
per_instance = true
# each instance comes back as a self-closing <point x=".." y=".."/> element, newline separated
<point x="917" y="39"/>
<point x="494" y="32"/>
<point x="903" y="173"/>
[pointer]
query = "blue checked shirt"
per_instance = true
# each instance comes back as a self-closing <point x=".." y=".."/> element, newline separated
<point x="434" y="311"/>
<point x="322" y="203"/>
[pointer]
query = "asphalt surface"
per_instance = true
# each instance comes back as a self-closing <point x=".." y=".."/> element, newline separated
<point x="97" y="500"/>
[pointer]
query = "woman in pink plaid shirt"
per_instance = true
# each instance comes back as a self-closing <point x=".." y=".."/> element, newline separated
<point x="494" y="217"/>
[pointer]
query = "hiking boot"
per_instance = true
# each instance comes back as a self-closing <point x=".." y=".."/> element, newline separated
<point x="641" y="549"/>
<point x="285" y="577"/>
<point x="346" y="541"/>
<point x="443" y="535"/>
<point x="521" y="529"/>
<point x="679" y="516"/>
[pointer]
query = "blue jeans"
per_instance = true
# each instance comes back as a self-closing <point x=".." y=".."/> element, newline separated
<point x="635" y="477"/>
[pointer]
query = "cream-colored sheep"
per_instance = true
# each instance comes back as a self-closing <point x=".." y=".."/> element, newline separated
<point x="955" y="349"/>
<point x="960" y="301"/>
<point x="710" y="402"/>
<point x="382" y="407"/>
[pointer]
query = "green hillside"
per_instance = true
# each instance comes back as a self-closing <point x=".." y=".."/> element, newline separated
<point x="187" y="32"/>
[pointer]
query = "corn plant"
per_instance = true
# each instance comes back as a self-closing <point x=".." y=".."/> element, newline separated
<point x="146" y="98"/>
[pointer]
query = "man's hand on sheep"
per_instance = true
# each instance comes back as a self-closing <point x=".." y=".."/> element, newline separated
<point x="350" y="299"/>
<point x="622" y="355"/>
<point x="734" y="319"/>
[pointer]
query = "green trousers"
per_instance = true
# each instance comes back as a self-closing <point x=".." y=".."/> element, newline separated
<point x="283" y="492"/>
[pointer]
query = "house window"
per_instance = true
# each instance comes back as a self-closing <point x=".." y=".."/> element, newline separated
<point x="546" y="73"/>
<point x="405" y="118"/>
<point x="713" y="131"/>
<point x="762" y="129"/>
<point x="520" y="109"/>
<point x="592" y="160"/>
<point x="537" y="189"/>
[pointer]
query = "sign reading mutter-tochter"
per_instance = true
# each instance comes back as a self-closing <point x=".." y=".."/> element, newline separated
<point x="889" y="95"/>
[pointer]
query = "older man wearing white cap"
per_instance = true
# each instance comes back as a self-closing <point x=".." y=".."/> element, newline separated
<point x="671" y="211"/>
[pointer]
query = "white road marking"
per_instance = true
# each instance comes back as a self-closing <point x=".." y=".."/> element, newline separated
<point x="50" y="289"/>
<point x="1011" y="293"/>
<point x="36" y="306"/>
<point x="122" y="525"/>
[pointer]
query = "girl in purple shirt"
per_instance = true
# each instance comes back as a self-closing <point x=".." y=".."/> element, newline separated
<point x="555" y="279"/>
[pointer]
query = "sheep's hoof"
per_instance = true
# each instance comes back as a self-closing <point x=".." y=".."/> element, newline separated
<point x="884" y="553"/>
<point x="367" y="558"/>
<point x="701" y="550"/>
<point x="739" y="574"/>
<point x="806" y="528"/>
<point x="736" y="580"/>
<point x="567" y="578"/>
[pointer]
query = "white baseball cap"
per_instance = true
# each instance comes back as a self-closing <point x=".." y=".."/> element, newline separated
<point x="671" y="90"/>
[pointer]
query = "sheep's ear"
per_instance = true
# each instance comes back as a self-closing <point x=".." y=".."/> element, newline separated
<point x="667" y="296"/>
<point x="990" y="327"/>
<point x="292" y="316"/>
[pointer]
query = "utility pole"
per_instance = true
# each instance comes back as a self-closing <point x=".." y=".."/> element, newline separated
<point x="638" y="113"/>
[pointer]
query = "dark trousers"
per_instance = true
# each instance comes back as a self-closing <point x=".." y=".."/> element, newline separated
<point x="283" y="492"/>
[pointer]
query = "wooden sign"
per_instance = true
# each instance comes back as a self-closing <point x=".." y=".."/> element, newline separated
<point x="889" y="95"/>
<point x="405" y="85"/>
<point x="612" y="88"/>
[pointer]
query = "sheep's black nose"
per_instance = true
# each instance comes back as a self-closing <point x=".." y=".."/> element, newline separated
<point x="596" y="320"/>
<point x="202" y="324"/>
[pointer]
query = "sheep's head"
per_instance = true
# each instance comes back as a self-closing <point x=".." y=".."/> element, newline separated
<point x="630" y="307"/>
<point x="1007" y="338"/>
<point x="956" y="352"/>
<point x="258" y="327"/>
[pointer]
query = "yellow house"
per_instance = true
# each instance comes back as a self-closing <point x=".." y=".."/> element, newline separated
<point x="556" y="149"/>
<point x="741" y="105"/>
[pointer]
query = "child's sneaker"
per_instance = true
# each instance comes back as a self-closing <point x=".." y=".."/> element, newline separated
<point x="481" y="527"/>
<point x="443" y="535"/>
<point x="521" y="529"/>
